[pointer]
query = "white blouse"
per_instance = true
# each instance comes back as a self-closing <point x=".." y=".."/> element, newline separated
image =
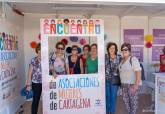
<point x="127" y="71"/>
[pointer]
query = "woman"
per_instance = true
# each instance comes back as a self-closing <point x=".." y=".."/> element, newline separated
<point x="35" y="76"/>
<point x="130" y="74"/>
<point x="85" y="54"/>
<point x="92" y="60"/>
<point x="162" y="61"/>
<point x="75" y="62"/>
<point x="112" y="60"/>
<point x="57" y="61"/>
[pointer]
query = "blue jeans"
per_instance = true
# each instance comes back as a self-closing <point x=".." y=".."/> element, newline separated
<point x="111" y="97"/>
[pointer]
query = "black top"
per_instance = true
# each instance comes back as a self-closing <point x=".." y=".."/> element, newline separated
<point x="74" y="65"/>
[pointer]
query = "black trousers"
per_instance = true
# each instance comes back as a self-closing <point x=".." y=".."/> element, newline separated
<point x="37" y="90"/>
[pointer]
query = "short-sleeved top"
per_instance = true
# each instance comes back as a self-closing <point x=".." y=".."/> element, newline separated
<point x="58" y="64"/>
<point x="91" y="65"/>
<point x="74" y="65"/>
<point x="162" y="66"/>
<point x="127" y="71"/>
<point x="36" y="71"/>
<point x="111" y="65"/>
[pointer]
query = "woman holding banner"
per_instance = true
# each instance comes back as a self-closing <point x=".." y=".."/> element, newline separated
<point x="35" y="76"/>
<point x="75" y="62"/>
<point x="112" y="60"/>
<point x="92" y="60"/>
<point x="130" y="74"/>
<point x="58" y="62"/>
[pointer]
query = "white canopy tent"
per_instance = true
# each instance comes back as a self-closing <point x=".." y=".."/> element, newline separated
<point x="150" y="8"/>
<point x="118" y="15"/>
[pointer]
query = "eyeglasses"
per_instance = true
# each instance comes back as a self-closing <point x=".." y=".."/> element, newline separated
<point x="124" y="50"/>
<point x="60" y="48"/>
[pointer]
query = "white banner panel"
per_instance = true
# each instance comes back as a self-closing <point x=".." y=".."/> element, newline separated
<point x="8" y="69"/>
<point x="160" y="93"/>
<point x="73" y="93"/>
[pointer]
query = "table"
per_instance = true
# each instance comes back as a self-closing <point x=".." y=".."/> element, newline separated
<point x="159" y="93"/>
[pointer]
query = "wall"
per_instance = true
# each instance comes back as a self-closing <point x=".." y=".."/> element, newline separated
<point x="13" y="24"/>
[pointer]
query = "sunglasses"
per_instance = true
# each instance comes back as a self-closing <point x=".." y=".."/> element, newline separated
<point x="60" y="48"/>
<point x="124" y="50"/>
<point x="74" y="49"/>
<point x="86" y="49"/>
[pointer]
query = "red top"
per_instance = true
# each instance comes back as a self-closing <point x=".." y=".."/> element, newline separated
<point x="162" y="65"/>
<point x="83" y="61"/>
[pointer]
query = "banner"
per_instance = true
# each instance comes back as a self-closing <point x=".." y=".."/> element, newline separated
<point x="76" y="93"/>
<point x="160" y="94"/>
<point x="71" y="27"/>
<point x="159" y="36"/>
<point x="137" y="52"/>
<point x="156" y="52"/>
<point x="134" y="36"/>
<point x="158" y="43"/>
<point x="8" y="68"/>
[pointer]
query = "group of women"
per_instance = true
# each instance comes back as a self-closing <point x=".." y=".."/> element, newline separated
<point x="120" y="71"/>
<point x="123" y="71"/>
<point x="74" y="63"/>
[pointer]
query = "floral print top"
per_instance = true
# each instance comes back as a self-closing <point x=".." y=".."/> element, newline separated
<point x="57" y="64"/>
<point x="111" y="66"/>
<point x="36" y="72"/>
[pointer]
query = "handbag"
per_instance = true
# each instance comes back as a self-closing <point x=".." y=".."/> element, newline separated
<point x="115" y="80"/>
<point x="25" y="93"/>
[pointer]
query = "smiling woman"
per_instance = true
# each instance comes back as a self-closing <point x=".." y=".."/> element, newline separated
<point x="130" y="74"/>
<point x="57" y="61"/>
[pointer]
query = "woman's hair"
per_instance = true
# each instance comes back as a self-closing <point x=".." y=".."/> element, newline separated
<point x="60" y="43"/>
<point x="93" y="45"/>
<point x="75" y="46"/>
<point x="163" y="50"/>
<point x="128" y="45"/>
<point x="112" y="44"/>
<point x="38" y="47"/>
<point x="86" y="46"/>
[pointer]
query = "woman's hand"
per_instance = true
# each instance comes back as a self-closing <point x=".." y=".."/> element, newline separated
<point x="28" y="87"/>
<point x="54" y="75"/>
<point x="134" y="88"/>
<point x="53" y="71"/>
